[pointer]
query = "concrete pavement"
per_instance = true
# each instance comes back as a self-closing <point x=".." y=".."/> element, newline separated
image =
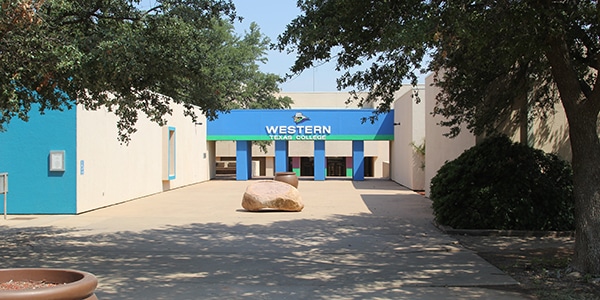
<point x="354" y="240"/>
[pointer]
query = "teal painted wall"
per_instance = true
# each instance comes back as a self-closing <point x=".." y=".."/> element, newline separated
<point x="24" y="155"/>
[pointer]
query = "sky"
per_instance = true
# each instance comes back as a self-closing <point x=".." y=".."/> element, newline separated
<point x="272" y="16"/>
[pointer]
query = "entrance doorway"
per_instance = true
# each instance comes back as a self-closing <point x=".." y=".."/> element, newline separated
<point x="307" y="166"/>
<point x="369" y="167"/>
<point x="336" y="167"/>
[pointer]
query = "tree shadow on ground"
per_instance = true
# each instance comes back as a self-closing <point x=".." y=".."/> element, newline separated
<point x="381" y="255"/>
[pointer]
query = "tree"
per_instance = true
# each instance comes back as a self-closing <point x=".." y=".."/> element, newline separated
<point x="58" y="53"/>
<point x="490" y="56"/>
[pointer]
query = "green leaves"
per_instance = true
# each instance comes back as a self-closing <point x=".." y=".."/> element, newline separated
<point x="111" y="53"/>
<point x="384" y="41"/>
<point x="491" y="55"/>
<point x="502" y="185"/>
<point x="496" y="62"/>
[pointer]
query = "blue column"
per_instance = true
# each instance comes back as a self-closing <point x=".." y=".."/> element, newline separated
<point x="281" y="156"/>
<point x="319" y="161"/>
<point x="358" y="160"/>
<point x="243" y="160"/>
<point x="249" y="160"/>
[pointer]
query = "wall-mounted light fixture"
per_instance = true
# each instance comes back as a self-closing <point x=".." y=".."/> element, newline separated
<point x="396" y="124"/>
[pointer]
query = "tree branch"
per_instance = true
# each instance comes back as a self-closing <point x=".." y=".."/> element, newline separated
<point x="567" y="81"/>
<point x="156" y="8"/>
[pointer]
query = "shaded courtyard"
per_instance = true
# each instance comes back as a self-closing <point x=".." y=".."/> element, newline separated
<point x="354" y="240"/>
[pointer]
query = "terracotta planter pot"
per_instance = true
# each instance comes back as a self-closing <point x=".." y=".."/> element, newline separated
<point x="287" y="177"/>
<point x="71" y="284"/>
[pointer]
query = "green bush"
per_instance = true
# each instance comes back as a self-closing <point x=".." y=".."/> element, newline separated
<point x="503" y="185"/>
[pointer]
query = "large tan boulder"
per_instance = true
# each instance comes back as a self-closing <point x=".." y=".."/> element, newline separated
<point x="272" y="195"/>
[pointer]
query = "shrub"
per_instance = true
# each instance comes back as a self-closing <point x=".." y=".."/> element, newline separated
<point x="503" y="185"/>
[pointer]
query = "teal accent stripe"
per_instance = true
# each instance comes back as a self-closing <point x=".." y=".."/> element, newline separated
<point x="237" y="138"/>
<point x="368" y="137"/>
<point x="348" y="172"/>
<point x="172" y="153"/>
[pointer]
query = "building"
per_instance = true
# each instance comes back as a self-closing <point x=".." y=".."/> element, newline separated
<point x="69" y="162"/>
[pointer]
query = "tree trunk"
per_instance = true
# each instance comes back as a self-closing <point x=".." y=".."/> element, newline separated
<point x="586" y="183"/>
<point x="582" y="114"/>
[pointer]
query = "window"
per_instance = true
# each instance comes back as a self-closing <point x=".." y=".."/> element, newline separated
<point x="169" y="154"/>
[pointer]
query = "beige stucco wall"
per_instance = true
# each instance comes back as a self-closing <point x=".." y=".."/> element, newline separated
<point x="439" y="148"/>
<point x="406" y="165"/>
<point x="115" y="172"/>
<point x="552" y="134"/>
<point x="227" y="148"/>
<point x="192" y="149"/>
<point x="380" y="151"/>
<point x="322" y="100"/>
